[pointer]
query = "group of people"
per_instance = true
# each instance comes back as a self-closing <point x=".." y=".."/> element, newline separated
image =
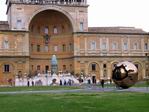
<point x="69" y="82"/>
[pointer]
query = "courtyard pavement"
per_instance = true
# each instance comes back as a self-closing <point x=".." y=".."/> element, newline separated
<point x="93" y="89"/>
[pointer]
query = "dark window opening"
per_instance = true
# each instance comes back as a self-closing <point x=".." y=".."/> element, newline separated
<point x="64" y="67"/>
<point x="64" y="47"/>
<point x="93" y="67"/>
<point x="32" y="67"/>
<point x="38" y="67"/>
<point x="46" y="68"/>
<point x="146" y="46"/>
<point x="38" y="48"/>
<point x="136" y="65"/>
<point x="6" y="68"/>
<point x="104" y="66"/>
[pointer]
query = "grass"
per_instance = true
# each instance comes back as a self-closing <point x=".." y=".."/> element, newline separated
<point x="76" y="102"/>
<point x="37" y="88"/>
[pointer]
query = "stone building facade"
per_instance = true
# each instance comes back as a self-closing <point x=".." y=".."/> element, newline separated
<point x="37" y="29"/>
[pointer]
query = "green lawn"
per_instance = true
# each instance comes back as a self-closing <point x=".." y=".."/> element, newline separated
<point x="76" y="102"/>
<point x="37" y="88"/>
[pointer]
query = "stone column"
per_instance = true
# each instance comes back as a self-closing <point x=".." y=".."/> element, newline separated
<point x="109" y="70"/>
<point x="101" y="70"/>
<point x="143" y="70"/>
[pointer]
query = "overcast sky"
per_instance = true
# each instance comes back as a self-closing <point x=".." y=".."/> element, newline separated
<point x="130" y="13"/>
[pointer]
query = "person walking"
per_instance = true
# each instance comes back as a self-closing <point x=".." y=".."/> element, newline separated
<point x="102" y="83"/>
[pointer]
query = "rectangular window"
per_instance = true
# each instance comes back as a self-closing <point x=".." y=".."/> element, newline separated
<point x="38" y="67"/>
<point x="104" y="46"/>
<point x="70" y="47"/>
<point x="81" y="26"/>
<point x="38" y="48"/>
<point x="46" y="68"/>
<point x="135" y="46"/>
<point x="6" y="68"/>
<point x="125" y="46"/>
<point x="46" y="30"/>
<point x="114" y="46"/>
<point x="19" y="23"/>
<point x="93" y="67"/>
<point x="6" y="44"/>
<point x="64" y="47"/>
<point x="104" y="66"/>
<point x="55" y="48"/>
<point x="93" y="45"/>
<point x="55" y="30"/>
<point x="146" y="46"/>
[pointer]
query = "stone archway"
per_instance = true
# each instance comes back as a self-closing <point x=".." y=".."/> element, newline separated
<point x="7" y="72"/>
<point x="55" y="8"/>
<point x="50" y="32"/>
<point x="140" y="70"/>
<point x="94" y="71"/>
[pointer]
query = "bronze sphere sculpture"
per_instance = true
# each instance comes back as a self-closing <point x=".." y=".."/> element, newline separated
<point x="125" y="74"/>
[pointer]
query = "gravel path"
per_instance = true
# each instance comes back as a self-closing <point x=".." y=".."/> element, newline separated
<point x="85" y="90"/>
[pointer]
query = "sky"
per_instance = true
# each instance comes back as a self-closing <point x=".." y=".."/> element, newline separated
<point x="111" y="13"/>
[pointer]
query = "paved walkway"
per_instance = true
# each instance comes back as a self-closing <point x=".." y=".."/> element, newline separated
<point x="85" y="90"/>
